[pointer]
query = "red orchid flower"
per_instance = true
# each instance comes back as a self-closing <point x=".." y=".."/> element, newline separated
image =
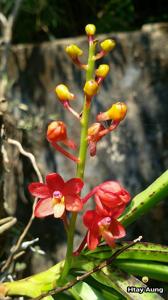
<point x="56" y="196"/>
<point x="110" y="197"/>
<point x="102" y="226"/>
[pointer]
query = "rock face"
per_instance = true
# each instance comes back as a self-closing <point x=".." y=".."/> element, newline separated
<point x="135" y="154"/>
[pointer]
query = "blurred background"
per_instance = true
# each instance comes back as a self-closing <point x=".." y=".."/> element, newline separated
<point x="33" y="62"/>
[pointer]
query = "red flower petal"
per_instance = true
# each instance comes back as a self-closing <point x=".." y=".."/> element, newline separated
<point x="55" y="182"/>
<point x="116" y="212"/>
<point x="109" y="199"/>
<point x="88" y="218"/>
<point x="92" y="240"/>
<point x="117" y="229"/>
<point x="38" y="189"/>
<point x="43" y="208"/>
<point x="73" y="203"/>
<point x="110" y="186"/>
<point x="125" y="196"/>
<point x="99" y="207"/>
<point x="73" y="186"/>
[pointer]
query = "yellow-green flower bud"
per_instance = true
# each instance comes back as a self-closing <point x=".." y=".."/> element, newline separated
<point x="91" y="88"/>
<point x="108" y="45"/>
<point x="117" y="111"/>
<point x="90" y="29"/>
<point x="73" y="51"/>
<point x="63" y="93"/>
<point x="102" y="71"/>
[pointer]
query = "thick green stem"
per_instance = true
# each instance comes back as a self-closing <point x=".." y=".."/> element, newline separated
<point x="82" y="159"/>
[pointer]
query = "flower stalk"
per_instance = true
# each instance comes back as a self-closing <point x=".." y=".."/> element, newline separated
<point x="81" y="158"/>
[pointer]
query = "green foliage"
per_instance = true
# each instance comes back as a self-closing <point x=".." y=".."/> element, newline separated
<point x="41" y="20"/>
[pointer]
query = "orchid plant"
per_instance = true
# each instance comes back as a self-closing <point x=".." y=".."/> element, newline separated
<point x="113" y="209"/>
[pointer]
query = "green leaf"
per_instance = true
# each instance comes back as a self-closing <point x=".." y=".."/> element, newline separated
<point x="153" y="270"/>
<point x="108" y="292"/>
<point x="142" y="203"/>
<point x="140" y="251"/>
<point x="85" y="291"/>
<point x="120" y="281"/>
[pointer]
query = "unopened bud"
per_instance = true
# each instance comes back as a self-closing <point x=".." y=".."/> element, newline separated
<point x="91" y="88"/>
<point x="56" y="131"/>
<point x="108" y="45"/>
<point x="63" y="93"/>
<point x="102" y="71"/>
<point x="116" y="113"/>
<point x="90" y="29"/>
<point x="73" y="51"/>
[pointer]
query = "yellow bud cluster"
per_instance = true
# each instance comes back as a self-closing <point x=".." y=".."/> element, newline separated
<point x="102" y="71"/>
<point x="108" y="45"/>
<point x="91" y="88"/>
<point x="90" y="29"/>
<point x="63" y="93"/>
<point x="73" y="51"/>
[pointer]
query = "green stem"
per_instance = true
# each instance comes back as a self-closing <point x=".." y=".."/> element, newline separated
<point x="82" y="159"/>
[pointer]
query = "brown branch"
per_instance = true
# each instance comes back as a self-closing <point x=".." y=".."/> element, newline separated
<point x="84" y="276"/>
<point x="29" y="155"/>
<point x="7" y="223"/>
<point x="17" y="246"/>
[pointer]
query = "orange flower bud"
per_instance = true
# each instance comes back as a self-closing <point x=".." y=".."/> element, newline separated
<point x="102" y="71"/>
<point x="63" y="93"/>
<point x="56" y="131"/>
<point x="73" y="51"/>
<point x="108" y="45"/>
<point x="90" y="29"/>
<point x="91" y="88"/>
